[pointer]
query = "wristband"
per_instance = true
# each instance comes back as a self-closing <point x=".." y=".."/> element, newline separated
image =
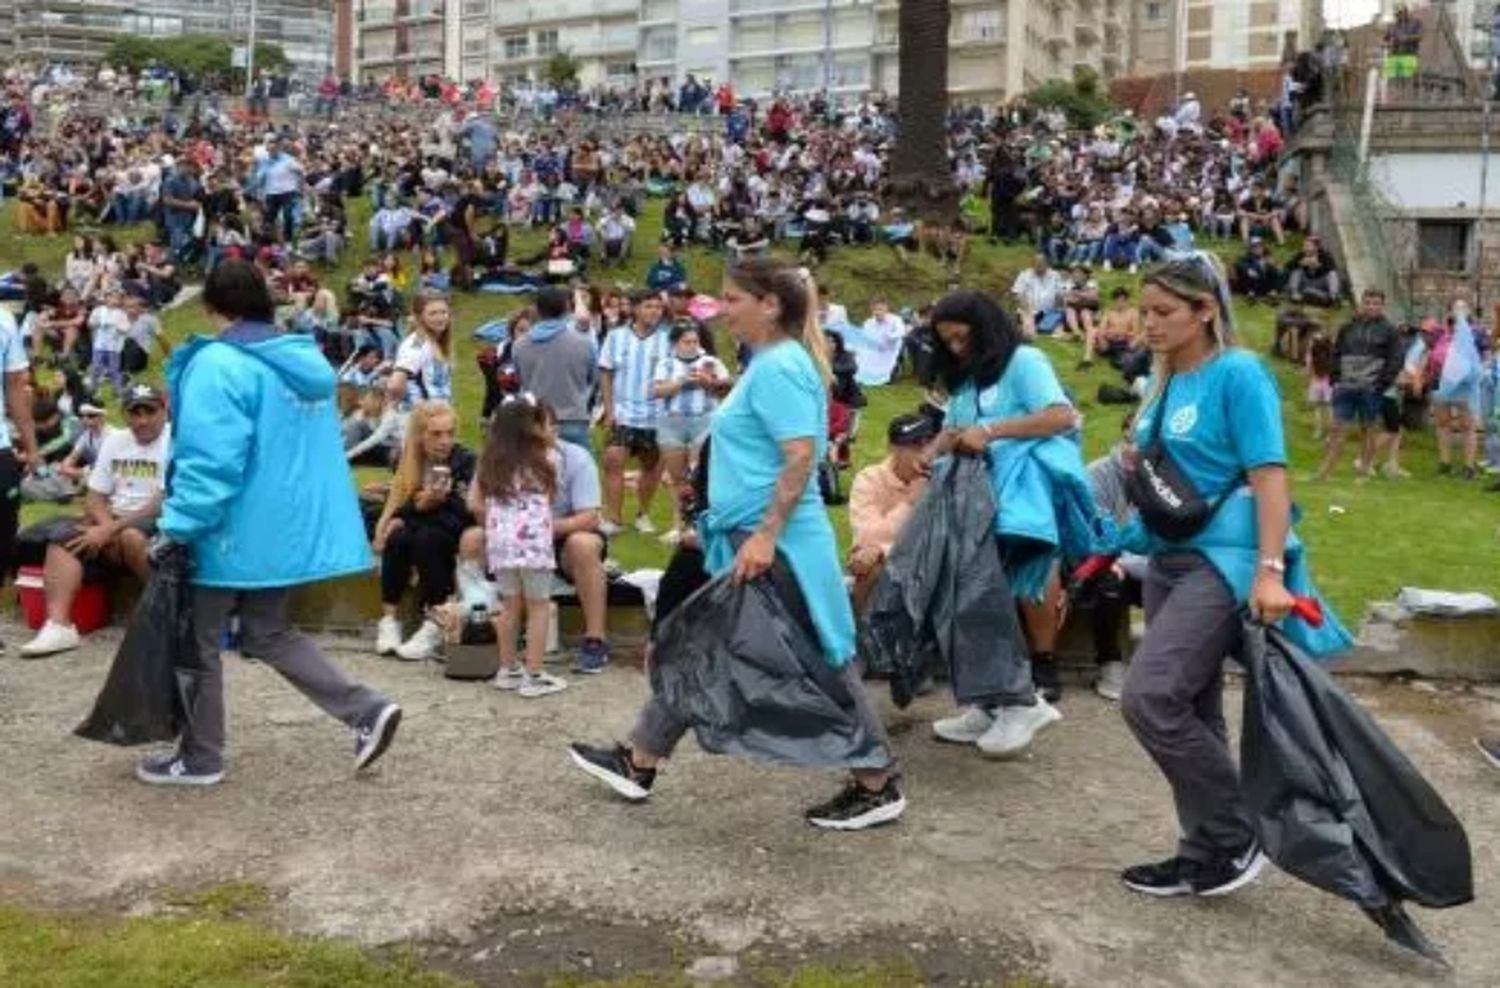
<point x="1273" y="564"/>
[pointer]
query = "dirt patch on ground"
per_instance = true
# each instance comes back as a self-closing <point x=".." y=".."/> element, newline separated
<point x="475" y="824"/>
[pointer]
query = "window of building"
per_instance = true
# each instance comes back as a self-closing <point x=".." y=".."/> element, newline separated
<point x="474" y="46"/>
<point x="1264" y="14"/>
<point x="1156" y="10"/>
<point x="546" y="41"/>
<point x="516" y="46"/>
<point x="1265" y="45"/>
<point x="1200" y="49"/>
<point x="619" y="69"/>
<point x="1443" y="245"/>
<point x="1200" y="19"/>
<point x="476" y="8"/>
<point x="979" y="25"/>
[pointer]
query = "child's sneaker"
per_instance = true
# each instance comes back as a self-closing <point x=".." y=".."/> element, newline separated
<point x="509" y="679"/>
<point x="538" y="684"/>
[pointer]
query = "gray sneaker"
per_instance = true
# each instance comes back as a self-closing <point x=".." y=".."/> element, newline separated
<point x="1111" y="681"/>
<point x="171" y="770"/>
<point x="372" y="739"/>
<point x="1490" y="748"/>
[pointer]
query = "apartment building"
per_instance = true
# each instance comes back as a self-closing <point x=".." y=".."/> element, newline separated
<point x="79" y="32"/>
<point x="405" y="38"/>
<point x="1177" y="35"/>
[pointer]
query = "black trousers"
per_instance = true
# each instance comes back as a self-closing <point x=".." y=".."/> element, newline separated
<point x="10" y="509"/>
<point x="430" y="550"/>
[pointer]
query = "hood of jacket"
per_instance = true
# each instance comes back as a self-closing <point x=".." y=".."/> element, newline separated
<point x="294" y="357"/>
<point x="549" y="329"/>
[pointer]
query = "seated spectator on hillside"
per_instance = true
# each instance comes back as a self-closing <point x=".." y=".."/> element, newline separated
<point x="882" y="498"/>
<point x="1314" y="279"/>
<point x="372" y="431"/>
<point x="1256" y="275"/>
<point x="79" y="463"/>
<point x="1293" y="328"/>
<point x="615" y="232"/>
<point x="39" y="207"/>
<point x="56" y="429"/>
<point x="124" y="498"/>
<point x="1260" y="214"/>
<point x="1116" y="333"/>
<point x="1080" y="303"/>
<point x="418" y="531"/>
<point x="59" y="326"/>
<point x="1155" y="238"/>
<point x="1038" y="291"/>
<point x="666" y="272"/>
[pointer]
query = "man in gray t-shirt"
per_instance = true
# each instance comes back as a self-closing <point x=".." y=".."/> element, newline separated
<point x="580" y="548"/>
<point x="556" y="362"/>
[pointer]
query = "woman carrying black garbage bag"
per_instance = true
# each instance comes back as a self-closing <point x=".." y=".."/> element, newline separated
<point x="767" y="437"/>
<point x="1214" y="517"/>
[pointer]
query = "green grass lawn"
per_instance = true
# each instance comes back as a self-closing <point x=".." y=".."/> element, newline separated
<point x="1425" y="531"/>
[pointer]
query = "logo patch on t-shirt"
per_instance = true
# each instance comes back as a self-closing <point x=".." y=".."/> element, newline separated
<point x="1183" y="420"/>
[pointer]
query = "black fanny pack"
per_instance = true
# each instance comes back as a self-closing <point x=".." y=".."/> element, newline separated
<point x="1169" y="504"/>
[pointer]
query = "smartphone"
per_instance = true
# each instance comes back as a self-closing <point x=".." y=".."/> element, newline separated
<point x="439" y="478"/>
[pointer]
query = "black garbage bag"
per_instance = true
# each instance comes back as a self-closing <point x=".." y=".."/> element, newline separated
<point x="1335" y="802"/>
<point x="741" y="664"/>
<point x="154" y="675"/>
<point x="944" y="590"/>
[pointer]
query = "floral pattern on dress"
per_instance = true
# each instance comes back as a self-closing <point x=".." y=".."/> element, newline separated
<point x="518" y="532"/>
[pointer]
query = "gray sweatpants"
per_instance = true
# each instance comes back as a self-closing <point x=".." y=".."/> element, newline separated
<point x="1174" y="700"/>
<point x="266" y="636"/>
<point x="657" y="730"/>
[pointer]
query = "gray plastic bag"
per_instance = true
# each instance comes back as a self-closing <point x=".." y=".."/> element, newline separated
<point x="741" y="664"/>
<point x="944" y="590"/>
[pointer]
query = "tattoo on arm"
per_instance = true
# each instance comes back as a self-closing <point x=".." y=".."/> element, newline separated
<point x="790" y="483"/>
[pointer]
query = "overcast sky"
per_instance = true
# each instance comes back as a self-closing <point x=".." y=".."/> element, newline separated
<point x="1347" y="13"/>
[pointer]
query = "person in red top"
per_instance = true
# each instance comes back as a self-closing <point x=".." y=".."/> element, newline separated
<point x="725" y="99"/>
<point x="778" y="121"/>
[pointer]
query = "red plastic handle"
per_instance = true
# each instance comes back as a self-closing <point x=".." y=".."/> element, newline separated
<point x="1090" y="568"/>
<point x="1309" y="610"/>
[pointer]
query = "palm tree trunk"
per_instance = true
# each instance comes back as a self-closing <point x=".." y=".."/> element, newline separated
<point x="921" y="180"/>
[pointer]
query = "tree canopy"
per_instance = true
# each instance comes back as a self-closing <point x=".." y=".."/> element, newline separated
<point x="1082" y="100"/>
<point x="195" y="56"/>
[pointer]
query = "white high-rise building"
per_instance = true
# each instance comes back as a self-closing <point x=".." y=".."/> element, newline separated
<point x="1175" y="35"/>
<point x="998" y="47"/>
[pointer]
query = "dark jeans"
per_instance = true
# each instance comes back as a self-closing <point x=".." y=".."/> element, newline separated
<point x="431" y="551"/>
<point x="281" y="206"/>
<point x="1174" y="701"/>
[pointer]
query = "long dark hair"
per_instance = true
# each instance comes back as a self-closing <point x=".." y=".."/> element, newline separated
<point x="993" y="338"/>
<point x="517" y="451"/>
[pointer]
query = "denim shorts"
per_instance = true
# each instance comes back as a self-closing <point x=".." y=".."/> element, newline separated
<point x="682" y="431"/>
<point x="1356" y="405"/>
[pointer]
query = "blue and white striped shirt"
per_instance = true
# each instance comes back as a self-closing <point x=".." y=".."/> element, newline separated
<point x="633" y="362"/>
<point x="690" y="402"/>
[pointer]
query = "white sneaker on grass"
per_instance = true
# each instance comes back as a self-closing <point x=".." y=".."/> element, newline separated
<point x="610" y="529"/>
<point x="1015" y="727"/>
<point x="645" y="525"/>
<point x="967" y="728"/>
<point x="540" y="684"/>
<point x="52" y="639"/>
<point x="387" y="636"/>
<point x="423" y="645"/>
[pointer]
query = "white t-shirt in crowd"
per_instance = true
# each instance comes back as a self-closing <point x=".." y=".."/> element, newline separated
<point x="429" y="376"/>
<point x="128" y="473"/>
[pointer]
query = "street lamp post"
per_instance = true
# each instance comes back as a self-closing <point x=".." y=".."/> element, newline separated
<point x="250" y="53"/>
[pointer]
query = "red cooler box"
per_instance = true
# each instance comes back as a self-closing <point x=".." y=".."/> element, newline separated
<point x="90" y="607"/>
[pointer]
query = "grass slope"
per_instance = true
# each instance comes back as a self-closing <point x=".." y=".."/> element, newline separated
<point x="1425" y="531"/>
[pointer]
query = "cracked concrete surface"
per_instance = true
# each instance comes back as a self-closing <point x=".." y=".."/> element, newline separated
<point x="475" y="812"/>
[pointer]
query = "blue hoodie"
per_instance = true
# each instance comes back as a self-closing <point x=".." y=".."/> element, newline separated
<point x="258" y="485"/>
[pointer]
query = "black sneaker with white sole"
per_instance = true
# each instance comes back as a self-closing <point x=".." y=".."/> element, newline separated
<point x="1186" y="876"/>
<point x="859" y="808"/>
<point x="1228" y="873"/>
<point x="614" y="768"/>
<point x="372" y="739"/>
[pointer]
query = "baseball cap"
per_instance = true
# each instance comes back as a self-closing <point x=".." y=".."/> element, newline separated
<point x="142" y="394"/>
<point x="89" y="408"/>
<point x="910" y="430"/>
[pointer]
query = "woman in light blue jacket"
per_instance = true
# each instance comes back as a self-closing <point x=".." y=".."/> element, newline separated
<point x="258" y="494"/>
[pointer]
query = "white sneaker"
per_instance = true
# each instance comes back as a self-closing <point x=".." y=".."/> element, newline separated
<point x="423" y="645"/>
<point x="1015" y="727"/>
<point x="609" y="529"/>
<point x="1111" y="681"/>
<point x="672" y="536"/>
<point x="53" y="638"/>
<point x="387" y="636"/>
<point x="967" y="728"/>
<point x="644" y="525"/>
<point x="540" y="684"/>
<point x="510" y="679"/>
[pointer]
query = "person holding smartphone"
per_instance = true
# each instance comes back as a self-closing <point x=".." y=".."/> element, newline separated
<point x="419" y="530"/>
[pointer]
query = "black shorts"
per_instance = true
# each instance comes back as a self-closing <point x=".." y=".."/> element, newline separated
<point x="1390" y="414"/>
<point x="640" y="442"/>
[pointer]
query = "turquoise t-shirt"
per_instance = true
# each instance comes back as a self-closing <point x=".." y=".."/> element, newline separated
<point x="780" y="398"/>
<point x="1222" y="419"/>
<point x="1028" y="385"/>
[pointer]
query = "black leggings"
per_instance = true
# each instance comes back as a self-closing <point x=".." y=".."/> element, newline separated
<point x="10" y="509"/>
<point x="431" y="551"/>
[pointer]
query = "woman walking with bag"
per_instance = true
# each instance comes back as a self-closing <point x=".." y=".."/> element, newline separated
<point x="1210" y="487"/>
<point x="767" y="437"/>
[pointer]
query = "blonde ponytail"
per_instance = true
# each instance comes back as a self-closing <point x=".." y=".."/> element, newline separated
<point x="813" y="337"/>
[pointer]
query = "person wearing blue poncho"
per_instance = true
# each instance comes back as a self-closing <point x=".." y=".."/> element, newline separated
<point x="763" y="504"/>
<point x="1213" y="412"/>
<point x="1006" y="404"/>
